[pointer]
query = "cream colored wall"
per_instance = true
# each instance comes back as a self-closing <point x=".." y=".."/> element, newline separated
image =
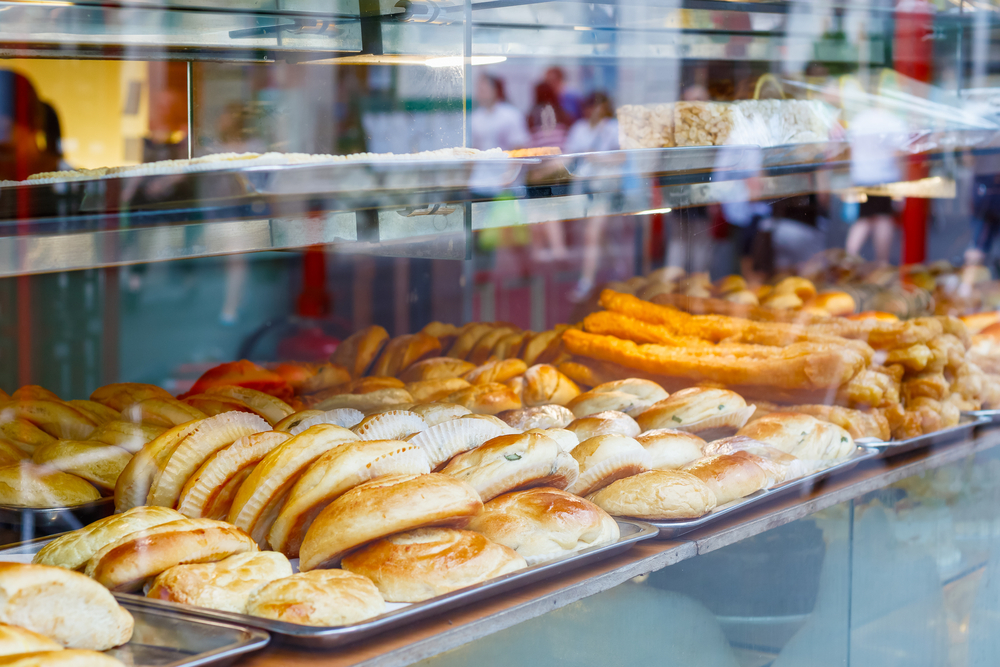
<point x="89" y="95"/>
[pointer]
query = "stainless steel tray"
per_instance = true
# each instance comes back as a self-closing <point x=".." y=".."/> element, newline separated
<point x="988" y="417"/>
<point x="327" y="637"/>
<point x="807" y="153"/>
<point x="673" y="528"/>
<point x="162" y="638"/>
<point x="653" y="161"/>
<point x="893" y="447"/>
<point x="34" y="521"/>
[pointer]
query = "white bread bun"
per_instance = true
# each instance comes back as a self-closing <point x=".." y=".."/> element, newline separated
<point x="670" y="449"/>
<point x="544" y="523"/>
<point x="325" y="598"/>
<point x="27" y="485"/>
<point x="435" y="413"/>
<point x="605" y="458"/>
<point x="71" y="658"/>
<point x="779" y="466"/>
<point x="730" y="477"/>
<point x="604" y="423"/>
<point x="567" y="439"/>
<point x="384" y="506"/>
<point x="63" y="605"/>
<point x="486" y="399"/>
<point x="630" y="396"/>
<point x="541" y="416"/>
<point x="14" y="640"/>
<point x="802" y="436"/>
<point x="427" y="562"/>
<point x="74" y="549"/>
<point x="656" y="495"/>
<point x="509" y="462"/>
<point x="707" y="412"/>
<point x="545" y="385"/>
<point x="225" y="585"/>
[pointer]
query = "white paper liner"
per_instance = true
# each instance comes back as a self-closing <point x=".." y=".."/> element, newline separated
<point x="533" y="474"/>
<point x="343" y="417"/>
<point x="718" y="426"/>
<point x="440" y="443"/>
<point x="600" y="475"/>
<point x="391" y="425"/>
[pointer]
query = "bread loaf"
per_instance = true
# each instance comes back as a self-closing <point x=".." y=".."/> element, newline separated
<point x="324" y="598"/>
<point x="14" y="640"/>
<point x="656" y="495"/>
<point x="605" y="458"/>
<point x="544" y="385"/>
<point x="730" y="477"/>
<point x="358" y="351"/>
<point x="436" y="368"/>
<point x="225" y="585"/>
<point x="27" y="485"/>
<point x="670" y="449"/>
<point x="486" y="399"/>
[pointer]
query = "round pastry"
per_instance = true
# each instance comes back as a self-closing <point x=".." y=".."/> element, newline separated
<point x="656" y="495"/>
<point x="544" y="523"/>
<point x="372" y="401"/>
<point x="440" y="443"/>
<point x="427" y="391"/>
<point x="670" y="449"/>
<point x="358" y="351"/>
<point x="605" y="458"/>
<point x="63" y="605"/>
<point x="436" y="368"/>
<point x="604" y="423"/>
<point x="225" y="585"/>
<point x="421" y="564"/>
<point x="74" y="549"/>
<point x="27" y="485"/>
<point x="382" y="507"/>
<point x="730" y="477"/>
<point x="325" y="598"/>
<point x="486" y="399"/>
<point x="496" y="371"/>
<point x="343" y="417"/>
<point x="544" y="385"/>
<point x="541" y="416"/>
<point x="14" y="640"/>
<point x="779" y="466"/>
<point x="389" y="425"/>
<point x="567" y="440"/>
<point x="436" y="413"/>
<point x="332" y="474"/>
<point x="125" y="564"/>
<point x="783" y="301"/>
<point x="69" y="658"/>
<point x="802" y="436"/>
<point x="96" y="462"/>
<point x="510" y="462"/>
<point x="709" y="413"/>
<point x="630" y="396"/>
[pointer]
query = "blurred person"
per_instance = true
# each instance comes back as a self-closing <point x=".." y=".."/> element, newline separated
<point x="985" y="219"/>
<point x="21" y="128"/>
<point x="548" y="121"/>
<point x="571" y="103"/>
<point x="496" y="123"/>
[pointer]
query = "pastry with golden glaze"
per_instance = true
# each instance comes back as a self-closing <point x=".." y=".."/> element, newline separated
<point x="656" y="495"/>
<point x="225" y="585"/>
<point x="325" y="598"/>
<point x="605" y="458"/>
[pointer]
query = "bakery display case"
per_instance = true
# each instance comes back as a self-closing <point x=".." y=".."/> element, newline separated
<point x="445" y="333"/>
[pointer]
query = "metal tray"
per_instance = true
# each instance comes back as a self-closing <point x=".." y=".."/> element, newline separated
<point x="673" y="528"/>
<point x="988" y="417"/>
<point x="653" y="161"/>
<point x="808" y="153"/>
<point x="31" y="522"/>
<point x="328" y="637"/>
<point x="893" y="447"/>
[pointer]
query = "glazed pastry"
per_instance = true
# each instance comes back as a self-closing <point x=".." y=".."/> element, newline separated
<point x="630" y="396"/>
<point x="225" y="585"/>
<point x="427" y="391"/>
<point x="605" y="458"/>
<point x="542" y="416"/>
<point x="604" y="423"/>
<point x="95" y="462"/>
<point x="436" y="368"/>
<point x="656" y="495"/>
<point x="730" y="477"/>
<point x="544" y="385"/>
<point x="496" y="371"/>
<point x="324" y="598"/>
<point x="488" y="399"/>
<point x="709" y="413"/>
<point x="802" y="436"/>
<point x="27" y="485"/>
<point x="358" y="351"/>
<point x="670" y="449"/>
<point x="436" y="413"/>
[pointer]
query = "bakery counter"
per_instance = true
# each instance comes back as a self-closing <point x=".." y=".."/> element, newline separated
<point x="870" y="483"/>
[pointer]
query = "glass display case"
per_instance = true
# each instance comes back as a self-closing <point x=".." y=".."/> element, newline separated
<point x="789" y="207"/>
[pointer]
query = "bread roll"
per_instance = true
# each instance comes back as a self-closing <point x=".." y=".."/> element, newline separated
<point x="779" y="466"/>
<point x="74" y="549"/>
<point x="656" y="495"/>
<point x="447" y="439"/>
<point x="332" y="474"/>
<point x="539" y="345"/>
<point x="510" y="462"/>
<point x="835" y="303"/>
<point x="96" y="462"/>
<point x="10" y="453"/>
<point x="63" y="605"/>
<point x="272" y="408"/>
<point x="380" y="399"/>
<point x="443" y="331"/>
<point x="566" y="440"/>
<point x="124" y="565"/>
<point x="670" y="449"/>
<point x="14" y="640"/>
<point x="427" y="562"/>
<point x="325" y="598"/>
<point x="801" y="435"/>
<point x="130" y="437"/>
<point x="730" y="477"/>
<point x="261" y="495"/>
<point x="544" y="523"/>
<point x="604" y="423"/>
<point x="544" y="385"/>
<point x="358" y="351"/>
<point x="384" y="506"/>
<point x="427" y="391"/>
<point x="709" y="413"/>
<point x="541" y="416"/>
<point x="436" y="368"/>
<point x="71" y="658"/>
<point x="605" y="458"/>
<point x="496" y="371"/>
<point x="169" y="412"/>
<point x="630" y="396"/>
<point x="225" y="585"/>
<point x="135" y="481"/>
<point x="403" y="351"/>
<point x="483" y="349"/>
<point x="121" y="395"/>
<point x="436" y="413"/>
<point x="467" y="338"/>
<point x="55" y="418"/>
<point x="365" y="385"/>
<point x="486" y="399"/>
<point x="27" y="485"/>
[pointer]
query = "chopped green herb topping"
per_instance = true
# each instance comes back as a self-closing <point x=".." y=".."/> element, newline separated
<point x="676" y="419"/>
<point x="721" y="407"/>
<point x="512" y="457"/>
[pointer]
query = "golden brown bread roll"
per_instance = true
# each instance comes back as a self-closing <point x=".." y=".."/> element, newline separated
<point x="436" y="368"/>
<point x="358" y="351"/>
<point x="25" y="484"/>
<point x="467" y="338"/>
<point x="778" y="465"/>
<point x="34" y="392"/>
<point x="427" y="391"/>
<point x="670" y="449"/>
<point x="604" y="423"/>
<point x="130" y="437"/>
<point x="540" y="345"/>
<point x="544" y="523"/>
<point x="427" y="562"/>
<point x="566" y="440"/>
<point x="332" y="474"/>
<point x="709" y="413"/>
<point x="95" y="462"/>
<point x="730" y="477"/>
<point x="443" y="331"/>
<point x="225" y="585"/>
<point x="135" y="481"/>
<point x="379" y="399"/>
<point x="324" y="598"/>
<point x="496" y="371"/>
<point x="121" y="395"/>
<point x="403" y="351"/>
<point x="656" y="495"/>
<point x="124" y="565"/>
<point x="10" y="453"/>
<point x="483" y="349"/>
<point x="70" y="658"/>
<point x="169" y="412"/>
<point x="436" y="413"/>
<point x="544" y="385"/>
<point x="834" y="303"/>
<point x="98" y="413"/>
<point x="605" y="458"/>
<point x="272" y="408"/>
<point x="510" y="345"/>
<point x="382" y="507"/>
<point x="74" y="549"/>
<point x="450" y="438"/>
<point x="55" y="418"/>
<point x="509" y="462"/>
<point x="801" y="435"/>
<point x="14" y="640"/>
<point x="210" y="491"/>
<point x="631" y="396"/>
<point x="63" y="605"/>
<point x="486" y="399"/>
<point x="291" y="421"/>
<point x="541" y="416"/>
<point x="24" y="435"/>
<point x="365" y="385"/>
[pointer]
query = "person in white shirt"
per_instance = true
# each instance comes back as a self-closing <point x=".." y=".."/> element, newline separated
<point x="495" y="122"/>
